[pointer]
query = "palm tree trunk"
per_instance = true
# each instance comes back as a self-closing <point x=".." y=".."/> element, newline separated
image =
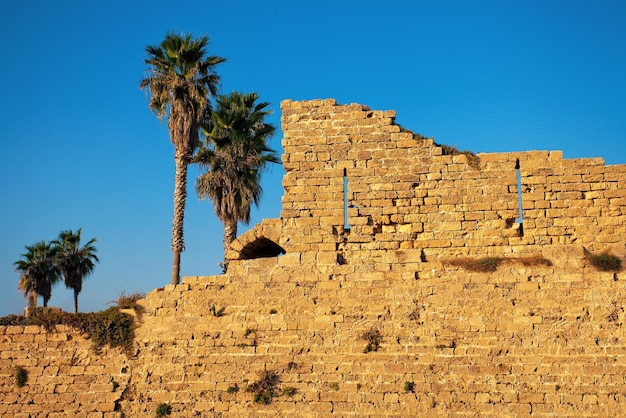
<point x="75" y="301"/>
<point x="230" y="233"/>
<point x="180" y="197"/>
<point x="32" y="299"/>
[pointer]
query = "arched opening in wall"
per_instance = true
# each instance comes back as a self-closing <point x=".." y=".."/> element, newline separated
<point x="260" y="248"/>
<point x="520" y="219"/>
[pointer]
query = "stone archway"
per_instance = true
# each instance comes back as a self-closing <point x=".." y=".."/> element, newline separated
<point x="262" y="241"/>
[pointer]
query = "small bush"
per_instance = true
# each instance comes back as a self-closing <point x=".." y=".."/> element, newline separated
<point x="233" y="389"/>
<point x="289" y="391"/>
<point x="21" y="377"/>
<point x="130" y="302"/>
<point x="409" y="386"/>
<point x="373" y="338"/>
<point x="264" y="389"/>
<point x="604" y="261"/>
<point x="163" y="410"/>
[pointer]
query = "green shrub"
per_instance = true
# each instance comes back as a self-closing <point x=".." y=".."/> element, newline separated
<point x="21" y="377"/>
<point x="163" y="410"/>
<point x="111" y="326"/>
<point x="409" y="386"/>
<point x="233" y="389"/>
<point x="264" y="389"/>
<point x="289" y="391"/>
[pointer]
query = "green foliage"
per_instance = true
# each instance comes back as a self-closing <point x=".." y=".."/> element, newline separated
<point x="265" y="388"/>
<point x="232" y="159"/>
<point x="409" y="386"/>
<point x="21" y="377"/>
<point x="110" y="326"/>
<point x="289" y="391"/>
<point x="373" y="338"/>
<point x="233" y="389"/>
<point x="39" y="271"/>
<point x="75" y="262"/>
<point x="334" y="386"/>
<point x="604" y="261"/>
<point x="163" y="410"/>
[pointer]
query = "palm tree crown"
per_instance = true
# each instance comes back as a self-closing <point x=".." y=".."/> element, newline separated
<point x="233" y="157"/>
<point x="75" y="262"/>
<point x="180" y="81"/>
<point x="38" y="271"/>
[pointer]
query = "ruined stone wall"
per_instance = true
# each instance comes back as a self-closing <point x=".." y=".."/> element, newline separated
<point x="402" y="193"/>
<point x="540" y="340"/>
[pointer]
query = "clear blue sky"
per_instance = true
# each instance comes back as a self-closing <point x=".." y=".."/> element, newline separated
<point x="80" y="147"/>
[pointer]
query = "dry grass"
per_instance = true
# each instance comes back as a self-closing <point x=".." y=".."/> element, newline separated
<point x="490" y="264"/>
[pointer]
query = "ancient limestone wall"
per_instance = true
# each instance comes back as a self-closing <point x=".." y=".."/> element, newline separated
<point x="541" y="340"/>
<point x="65" y="377"/>
<point x="402" y="193"/>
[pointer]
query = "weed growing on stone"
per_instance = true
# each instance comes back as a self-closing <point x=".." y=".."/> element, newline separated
<point x="163" y="410"/>
<point x="289" y="391"/>
<point x="264" y="389"/>
<point x="604" y="261"/>
<point x="129" y="301"/>
<point x="111" y="326"/>
<point x="217" y="312"/>
<point x="373" y="338"/>
<point x="409" y="386"/>
<point x="490" y="264"/>
<point x="233" y="389"/>
<point x="334" y="386"/>
<point x="21" y="377"/>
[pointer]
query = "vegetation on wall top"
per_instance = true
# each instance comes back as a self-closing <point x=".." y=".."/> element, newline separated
<point x="108" y="327"/>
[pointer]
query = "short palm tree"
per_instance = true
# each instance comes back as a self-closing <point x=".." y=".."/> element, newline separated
<point x="180" y="81"/>
<point x="38" y="272"/>
<point x="232" y="157"/>
<point x="75" y="262"/>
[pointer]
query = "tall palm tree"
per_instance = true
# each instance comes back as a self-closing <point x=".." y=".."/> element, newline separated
<point x="180" y="81"/>
<point x="232" y="157"/>
<point x="38" y="272"/>
<point x="75" y="262"/>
